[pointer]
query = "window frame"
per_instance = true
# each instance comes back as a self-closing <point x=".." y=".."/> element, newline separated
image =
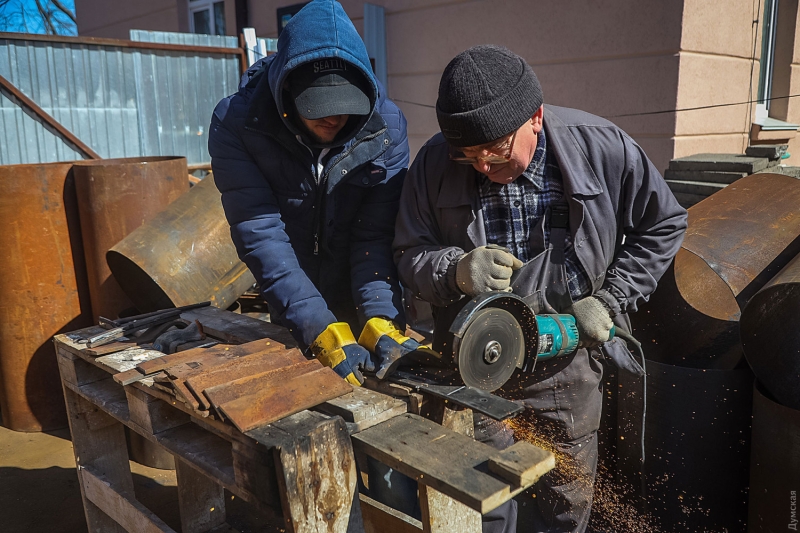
<point x="202" y="5"/>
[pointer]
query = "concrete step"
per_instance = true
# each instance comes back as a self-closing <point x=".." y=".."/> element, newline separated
<point x="688" y="200"/>
<point x="706" y="176"/>
<point x="770" y="151"/>
<point x="785" y="170"/>
<point x="695" y="187"/>
<point x="720" y="163"/>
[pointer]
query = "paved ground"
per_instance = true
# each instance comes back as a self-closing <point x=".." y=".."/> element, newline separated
<point x="39" y="490"/>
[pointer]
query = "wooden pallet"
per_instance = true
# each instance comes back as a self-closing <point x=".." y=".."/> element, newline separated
<point x="302" y="466"/>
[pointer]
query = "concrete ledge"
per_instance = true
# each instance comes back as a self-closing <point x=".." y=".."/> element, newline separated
<point x="706" y="176"/>
<point x="770" y="151"/>
<point x="695" y="187"/>
<point x="720" y="163"/>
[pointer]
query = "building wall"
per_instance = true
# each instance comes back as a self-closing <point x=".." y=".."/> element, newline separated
<point x="718" y="65"/>
<point x="101" y="18"/>
<point x="606" y="57"/>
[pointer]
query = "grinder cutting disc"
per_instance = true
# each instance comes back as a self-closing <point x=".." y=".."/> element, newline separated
<point x="490" y="349"/>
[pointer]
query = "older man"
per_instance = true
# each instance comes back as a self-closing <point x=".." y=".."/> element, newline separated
<point x="570" y="203"/>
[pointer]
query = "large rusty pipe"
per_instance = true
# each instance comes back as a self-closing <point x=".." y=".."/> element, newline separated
<point x="770" y="328"/>
<point x="182" y="256"/>
<point x="737" y="240"/>
<point x="44" y="290"/>
<point x="116" y="196"/>
<point x="774" y="466"/>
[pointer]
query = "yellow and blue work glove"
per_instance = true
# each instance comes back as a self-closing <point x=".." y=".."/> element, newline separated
<point x="389" y="344"/>
<point x="336" y="348"/>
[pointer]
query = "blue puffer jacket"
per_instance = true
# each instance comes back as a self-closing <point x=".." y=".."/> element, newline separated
<point x="320" y="251"/>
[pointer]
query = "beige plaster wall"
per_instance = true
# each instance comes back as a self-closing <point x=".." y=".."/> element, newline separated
<point x="718" y="65"/>
<point x="608" y="58"/>
<point x="101" y="18"/>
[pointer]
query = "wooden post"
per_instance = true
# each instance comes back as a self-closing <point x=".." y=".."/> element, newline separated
<point x="98" y="441"/>
<point x="443" y="514"/>
<point x="201" y="499"/>
<point x="316" y="472"/>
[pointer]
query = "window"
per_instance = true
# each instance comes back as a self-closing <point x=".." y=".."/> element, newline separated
<point x="767" y="58"/>
<point x="207" y="16"/>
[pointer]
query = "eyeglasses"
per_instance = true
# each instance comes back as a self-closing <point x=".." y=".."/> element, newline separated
<point x="497" y="153"/>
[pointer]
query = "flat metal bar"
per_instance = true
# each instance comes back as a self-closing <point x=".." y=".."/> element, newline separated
<point x="63" y="132"/>
<point x="476" y="399"/>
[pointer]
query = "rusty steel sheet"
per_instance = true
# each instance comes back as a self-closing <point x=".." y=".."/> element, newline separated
<point x="770" y="328"/>
<point x="240" y="368"/>
<point x="251" y="384"/>
<point x="116" y="196"/>
<point x="44" y="290"/>
<point x="182" y="256"/>
<point x="737" y="240"/>
<point x="774" y="469"/>
<point x="278" y="394"/>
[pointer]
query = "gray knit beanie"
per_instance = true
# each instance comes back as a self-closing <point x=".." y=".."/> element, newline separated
<point x="486" y="92"/>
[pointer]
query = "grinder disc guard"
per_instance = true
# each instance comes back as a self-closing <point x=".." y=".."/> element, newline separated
<point x="490" y="349"/>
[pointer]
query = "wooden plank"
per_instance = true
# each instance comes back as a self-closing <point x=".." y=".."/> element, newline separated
<point x="121" y="507"/>
<point x="206" y="451"/>
<point x="151" y="414"/>
<point x="106" y="395"/>
<point x="254" y="470"/>
<point x="361" y="404"/>
<point x="379" y="518"/>
<point x="75" y="370"/>
<point x="443" y="514"/>
<point x="363" y="408"/>
<point x="102" y="447"/>
<point x="416" y="447"/>
<point x="522" y="464"/>
<point x="218" y="354"/>
<point x="316" y="471"/>
<point x="283" y="394"/>
<point x="242" y="367"/>
<point x="127" y="359"/>
<point x="201" y="499"/>
<point x="236" y="328"/>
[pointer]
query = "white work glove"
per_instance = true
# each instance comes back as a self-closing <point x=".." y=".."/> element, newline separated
<point x="484" y="269"/>
<point x="593" y="320"/>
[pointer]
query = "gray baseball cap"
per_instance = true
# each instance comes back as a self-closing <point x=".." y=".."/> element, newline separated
<point x="328" y="87"/>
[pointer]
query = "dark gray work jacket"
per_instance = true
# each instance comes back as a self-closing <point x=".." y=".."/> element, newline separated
<point x="625" y="222"/>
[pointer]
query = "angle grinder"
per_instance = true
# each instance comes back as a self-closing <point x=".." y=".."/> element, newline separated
<point x="499" y="332"/>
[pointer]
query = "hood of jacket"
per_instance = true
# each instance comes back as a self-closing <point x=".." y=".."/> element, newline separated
<point x="320" y="30"/>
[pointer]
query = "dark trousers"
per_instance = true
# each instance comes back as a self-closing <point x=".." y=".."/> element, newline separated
<point x="563" y="397"/>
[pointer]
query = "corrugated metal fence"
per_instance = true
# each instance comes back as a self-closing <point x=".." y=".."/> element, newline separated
<point x="121" y="98"/>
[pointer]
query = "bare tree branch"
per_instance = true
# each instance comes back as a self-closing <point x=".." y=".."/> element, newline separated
<point x="64" y="9"/>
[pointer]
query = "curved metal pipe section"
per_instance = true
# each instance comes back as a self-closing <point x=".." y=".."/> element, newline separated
<point x="737" y="240"/>
<point x="116" y="196"/>
<point x="697" y="445"/>
<point x="44" y="290"/>
<point x="771" y="335"/>
<point x="182" y="256"/>
<point x="774" y="476"/>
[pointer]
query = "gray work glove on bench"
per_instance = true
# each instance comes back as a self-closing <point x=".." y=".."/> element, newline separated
<point x="484" y="269"/>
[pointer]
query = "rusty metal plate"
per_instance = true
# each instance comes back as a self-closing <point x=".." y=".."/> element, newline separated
<point x="283" y="393"/>
<point x="43" y="287"/>
<point x="770" y="329"/>
<point x="737" y="240"/>
<point x="241" y="368"/>
<point x="116" y="196"/>
<point x="182" y="256"/>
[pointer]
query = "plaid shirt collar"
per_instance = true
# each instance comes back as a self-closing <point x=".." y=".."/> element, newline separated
<point x="535" y="171"/>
